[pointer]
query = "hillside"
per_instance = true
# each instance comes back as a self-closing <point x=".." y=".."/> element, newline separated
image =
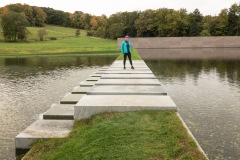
<point x="66" y="43"/>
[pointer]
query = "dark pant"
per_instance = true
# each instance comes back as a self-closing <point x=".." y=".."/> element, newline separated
<point x="129" y="57"/>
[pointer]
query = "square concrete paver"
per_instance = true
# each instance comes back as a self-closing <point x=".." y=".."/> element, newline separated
<point x="71" y="98"/>
<point x="81" y="90"/>
<point x="93" y="79"/>
<point x="43" y="129"/>
<point x="127" y="90"/>
<point x="128" y="82"/>
<point x="133" y="71"/>
<point x="128" y="76"/>
<point x="60" y="111"/>
<point x="87" y="83"/>
<point x="94" y="104"/>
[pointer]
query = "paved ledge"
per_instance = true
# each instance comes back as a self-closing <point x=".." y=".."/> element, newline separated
<point x="128" y="82"/>
<point x="96" y="75"/>
<point x="93" y="104"/>
<point x="43" y="129"/>
<point x="60" y="112"/>
<point x="127" y="90"/>
<point x="87" y="84"/>
<point x="132" y="71"/>
<point x="81" y="90"/>
<point x="93" y="79"/>
<point x="128" y="76"/>
<point x="71" y="98"/>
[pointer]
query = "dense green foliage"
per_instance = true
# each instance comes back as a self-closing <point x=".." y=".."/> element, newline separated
<point x="13" y="26"/>
<point x="141" y="135"/>
<point x="162" y="22"/>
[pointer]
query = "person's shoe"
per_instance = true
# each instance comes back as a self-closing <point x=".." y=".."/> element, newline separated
<point x="132" y="67"/>
<point x="124" y="67"/>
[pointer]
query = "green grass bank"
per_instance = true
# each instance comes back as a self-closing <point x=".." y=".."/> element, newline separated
<point x="144" y="135"/>
<point x="66" y="43"/>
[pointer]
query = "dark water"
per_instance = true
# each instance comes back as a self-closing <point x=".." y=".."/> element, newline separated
<point x="207" y="91"/>
<point x="28" y="87"/>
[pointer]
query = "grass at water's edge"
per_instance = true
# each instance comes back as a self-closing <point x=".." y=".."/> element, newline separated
<point x="151" y="135"/>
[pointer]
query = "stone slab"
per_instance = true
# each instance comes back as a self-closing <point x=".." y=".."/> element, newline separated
<point x="71" y="98"/>
<point x="128" y="66"/>
<point x="128" y="69"/>
<point x="128" y="82"/>
<point x="81" y="90"/>
<point x="93" y="79"/>
<point x="128" y="76"/>
<point x="128" y="72"/>
<point x="96" y="75"/>
<point x="127" y="90"/>
<point x="93" y="104"/>
<point x="60" y="111"/>
<point x="87" y="84"/>
<point x="43" y="129"/>
<point x="134" y="61"/>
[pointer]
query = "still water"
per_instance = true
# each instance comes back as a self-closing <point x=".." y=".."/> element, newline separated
<point x="28" y="87"/>
<point x="206" y="88"/>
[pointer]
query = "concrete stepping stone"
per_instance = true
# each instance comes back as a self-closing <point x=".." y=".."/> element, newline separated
<point x="96" y="75"/>
<point x="93" y="104"/>
<point x="93" y="79"/>
<point x="87" y="84"/>
<point x="128" y="82"/>
<point x="128" y="69"/>
<point x="127" y="90"/>
<point x="129" y="72"/>
<point x="128" y="76"/>
<point x="81" y="90"/>
<point x="134" y="61"/>
<point x="42" y="129"/>
<point x="60" y="111"/>
<point x="71" y="98"/>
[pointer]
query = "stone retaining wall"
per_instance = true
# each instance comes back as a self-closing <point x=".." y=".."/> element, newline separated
<point x="184" y="42"/>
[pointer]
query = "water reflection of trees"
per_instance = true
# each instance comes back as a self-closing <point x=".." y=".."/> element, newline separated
<point x="30" y="66"/>
<point x="180" y="69"/>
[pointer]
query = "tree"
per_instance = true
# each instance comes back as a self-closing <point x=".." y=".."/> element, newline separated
<point x="77" y="32"/>
<point x="195" y="23"/>
<point x="234" y="20"/>
<point x="14" y="26"/>
<point x="42" y="33"/>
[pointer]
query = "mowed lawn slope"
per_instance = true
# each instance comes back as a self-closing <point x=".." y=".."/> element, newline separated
<point x="66" y="43"/>
<point x="144" y="135"/>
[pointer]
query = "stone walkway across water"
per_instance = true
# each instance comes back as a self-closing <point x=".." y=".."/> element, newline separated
<point x="111" y="89"/>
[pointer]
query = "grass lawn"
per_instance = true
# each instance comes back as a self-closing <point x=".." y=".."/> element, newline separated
<point x="79" y="45"/>
<point x="144" y="135"/>
<point x="66" y="43"/>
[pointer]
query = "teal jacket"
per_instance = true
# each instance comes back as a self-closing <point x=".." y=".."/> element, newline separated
<point x="124" y="47"/>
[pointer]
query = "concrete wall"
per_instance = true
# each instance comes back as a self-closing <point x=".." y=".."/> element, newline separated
<point x="184" y="42"/>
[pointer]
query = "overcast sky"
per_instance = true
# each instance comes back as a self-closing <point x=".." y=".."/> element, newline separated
<point x="108" y="7"/>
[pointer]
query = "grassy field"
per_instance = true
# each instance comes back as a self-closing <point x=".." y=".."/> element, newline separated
<point x="52" y="31"/>
<point x="144" y="135"/>
<point x="67" y="44"/>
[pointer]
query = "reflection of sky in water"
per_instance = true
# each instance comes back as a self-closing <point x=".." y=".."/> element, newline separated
<point x="208" y="96"/>
<point x="28" y="87"/>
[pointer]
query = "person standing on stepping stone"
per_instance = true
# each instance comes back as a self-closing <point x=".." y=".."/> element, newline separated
<point x="126" y="50"/>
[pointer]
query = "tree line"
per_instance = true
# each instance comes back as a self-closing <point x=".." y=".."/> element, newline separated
<point x="162" y="22"/>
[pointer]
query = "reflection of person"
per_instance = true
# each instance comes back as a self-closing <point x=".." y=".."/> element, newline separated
<point x="126" y="50"/>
